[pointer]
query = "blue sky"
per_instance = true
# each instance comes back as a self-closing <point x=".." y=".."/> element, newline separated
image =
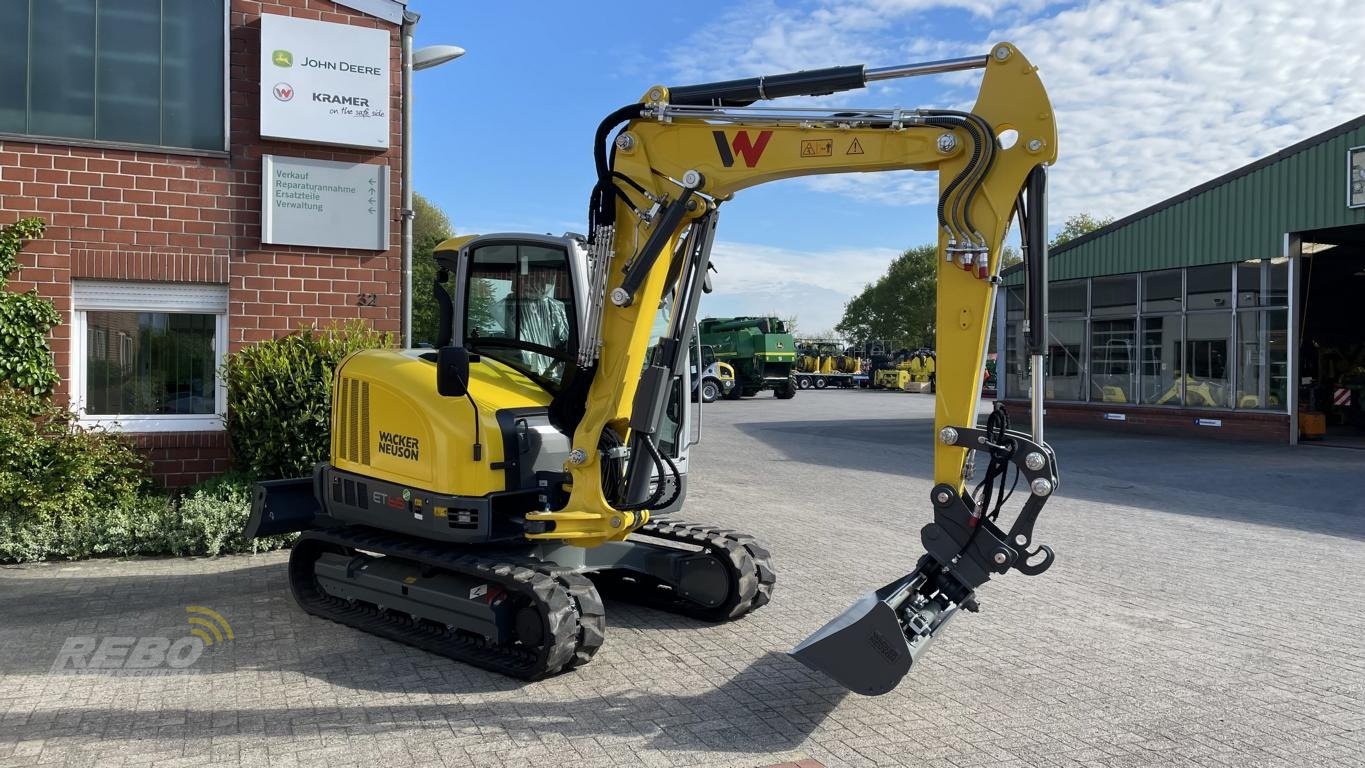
<point x="1152" y="98"/>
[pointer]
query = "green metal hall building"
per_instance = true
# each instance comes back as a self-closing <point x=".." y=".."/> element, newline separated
<point x="1236" y="308"/>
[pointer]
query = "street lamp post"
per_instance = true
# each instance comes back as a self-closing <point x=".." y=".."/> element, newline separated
<point x="425" y="58"/>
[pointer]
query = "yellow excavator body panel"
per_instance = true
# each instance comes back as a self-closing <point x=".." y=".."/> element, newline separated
<point x="390" y="423"/>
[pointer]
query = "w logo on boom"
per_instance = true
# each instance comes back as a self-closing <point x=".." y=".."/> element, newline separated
<point x="740" y="145"/>
<point x="208" y="625"/>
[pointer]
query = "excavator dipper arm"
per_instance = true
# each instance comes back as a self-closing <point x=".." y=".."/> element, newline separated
<point x="678" y="155"/>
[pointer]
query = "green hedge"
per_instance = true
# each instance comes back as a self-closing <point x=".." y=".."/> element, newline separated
<point x="67" y="492"/>
<point x="209" y="520"/>
<point x="56" y="479"/>
<point x="280" y="398"/>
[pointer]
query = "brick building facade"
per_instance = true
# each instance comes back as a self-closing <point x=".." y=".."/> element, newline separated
<point x="175" y="226"/>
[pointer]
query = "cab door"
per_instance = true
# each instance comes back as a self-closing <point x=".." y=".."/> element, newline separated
<point x="519" y="301"/>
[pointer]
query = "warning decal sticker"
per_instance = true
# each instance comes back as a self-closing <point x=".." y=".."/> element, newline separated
<point x="817" y="148"/>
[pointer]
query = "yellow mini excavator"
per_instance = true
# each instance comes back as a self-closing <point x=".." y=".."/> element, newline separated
<point x="480" y="494"/>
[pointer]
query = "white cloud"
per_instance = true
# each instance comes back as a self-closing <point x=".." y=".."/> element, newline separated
<point x="1151" y="98"/>
<point x="762" y="38"/>
<point x="754" y="279"/>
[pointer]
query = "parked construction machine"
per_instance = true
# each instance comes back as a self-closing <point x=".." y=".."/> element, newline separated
<point x="715" y="379"/>
<point x="823" y="363"/>
<point x="907" y="370"/>
<point x="760" y="349"/>
<point x="479" y="495"/>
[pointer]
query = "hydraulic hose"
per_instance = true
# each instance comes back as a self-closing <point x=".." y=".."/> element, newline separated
<point x="601" y="205"/>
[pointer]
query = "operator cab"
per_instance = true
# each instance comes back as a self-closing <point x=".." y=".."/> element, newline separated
<point x="521" y="300"/>
<point x="516" y="299"/>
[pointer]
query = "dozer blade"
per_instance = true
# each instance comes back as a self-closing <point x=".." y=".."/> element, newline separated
<point x="869" y="648"/>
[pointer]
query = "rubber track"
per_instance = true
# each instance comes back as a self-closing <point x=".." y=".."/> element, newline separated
<point x="568" y="603"/>
<point x="748" y="563"/>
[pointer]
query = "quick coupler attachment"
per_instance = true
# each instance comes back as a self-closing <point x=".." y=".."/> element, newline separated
<point x="870" y="647"/>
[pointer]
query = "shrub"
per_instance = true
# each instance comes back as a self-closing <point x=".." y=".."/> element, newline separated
<point x="63" y="488"/>
<point x="211" y="518"/>
<point x="25" y="319"/>
<point x="69" y="493"/>
<point x="280" y="397"/>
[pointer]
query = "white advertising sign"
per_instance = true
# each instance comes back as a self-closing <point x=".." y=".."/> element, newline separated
<point x="324" y="203"/>
<point x="324" y="83"/>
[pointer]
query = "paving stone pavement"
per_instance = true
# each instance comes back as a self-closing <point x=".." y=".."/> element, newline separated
<point x="1206" y="608"/>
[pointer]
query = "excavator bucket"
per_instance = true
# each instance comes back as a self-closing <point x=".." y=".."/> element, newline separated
<point x="871" y="646"/>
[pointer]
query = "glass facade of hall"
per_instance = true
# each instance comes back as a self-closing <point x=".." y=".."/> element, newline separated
<point x="145" y="72"/>
<point x="1201" y="337"/>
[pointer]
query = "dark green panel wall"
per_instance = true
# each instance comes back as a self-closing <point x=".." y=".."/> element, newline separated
<point x="1243" y="217"/>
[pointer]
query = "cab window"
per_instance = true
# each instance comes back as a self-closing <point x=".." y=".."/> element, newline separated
<point x="519" y="307"/>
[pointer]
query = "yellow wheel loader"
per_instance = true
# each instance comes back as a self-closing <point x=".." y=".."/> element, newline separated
<point x="479" y="495"/>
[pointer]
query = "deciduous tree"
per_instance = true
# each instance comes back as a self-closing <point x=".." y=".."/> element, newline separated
<point x="1076" y="226"/>
<point x="899" y="306"/>
<point x="430" y="226"/>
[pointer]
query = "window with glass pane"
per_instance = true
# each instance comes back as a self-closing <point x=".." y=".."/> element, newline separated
<point x="1113" y="361"/>
<point x="1161" y="360"/>
<point x="1262" y="359"/>
<point x="1113" y="295"/>
<point x="192" y="82"/>
<point x="14" y="63"/>
<point x="1014" y="302"/>
<point x="1161" y="291"/>
<point x="1206" y="356"/>
<point x="1208" y="287"/>
<point x="143" y="363"/>
<point x="61" y="68"/>
<point x="133" y="71"/>
<point x="519" y="307"/>
<point x="1066" y="298"/>
<point x="128" y="71"/>
<point x="1011" y="367"/>
<point x="1277" y="283"/>
<point x="670" y="426"/>
<point x="1016" y="374"/>
<point x="1249" y="277"/>
<point x="1065" y="366"/>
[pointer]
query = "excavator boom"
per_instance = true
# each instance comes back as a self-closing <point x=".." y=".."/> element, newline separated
<point x="679" y="155"/>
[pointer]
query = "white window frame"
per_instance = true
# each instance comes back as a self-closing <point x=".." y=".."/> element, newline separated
<point x="120" y="296"/>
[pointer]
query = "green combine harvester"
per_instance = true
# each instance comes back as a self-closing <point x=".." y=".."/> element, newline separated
<point x="760" y="349"/>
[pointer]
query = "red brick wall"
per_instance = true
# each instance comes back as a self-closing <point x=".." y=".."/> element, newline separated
<point x="185" y="458"/>
<point x="195" y="217"/>
<point x="1237" y="425"/>
<point x="275" y="289"/>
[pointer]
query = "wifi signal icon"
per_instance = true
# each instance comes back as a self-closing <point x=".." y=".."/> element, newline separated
<point x="208" y="625"/>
